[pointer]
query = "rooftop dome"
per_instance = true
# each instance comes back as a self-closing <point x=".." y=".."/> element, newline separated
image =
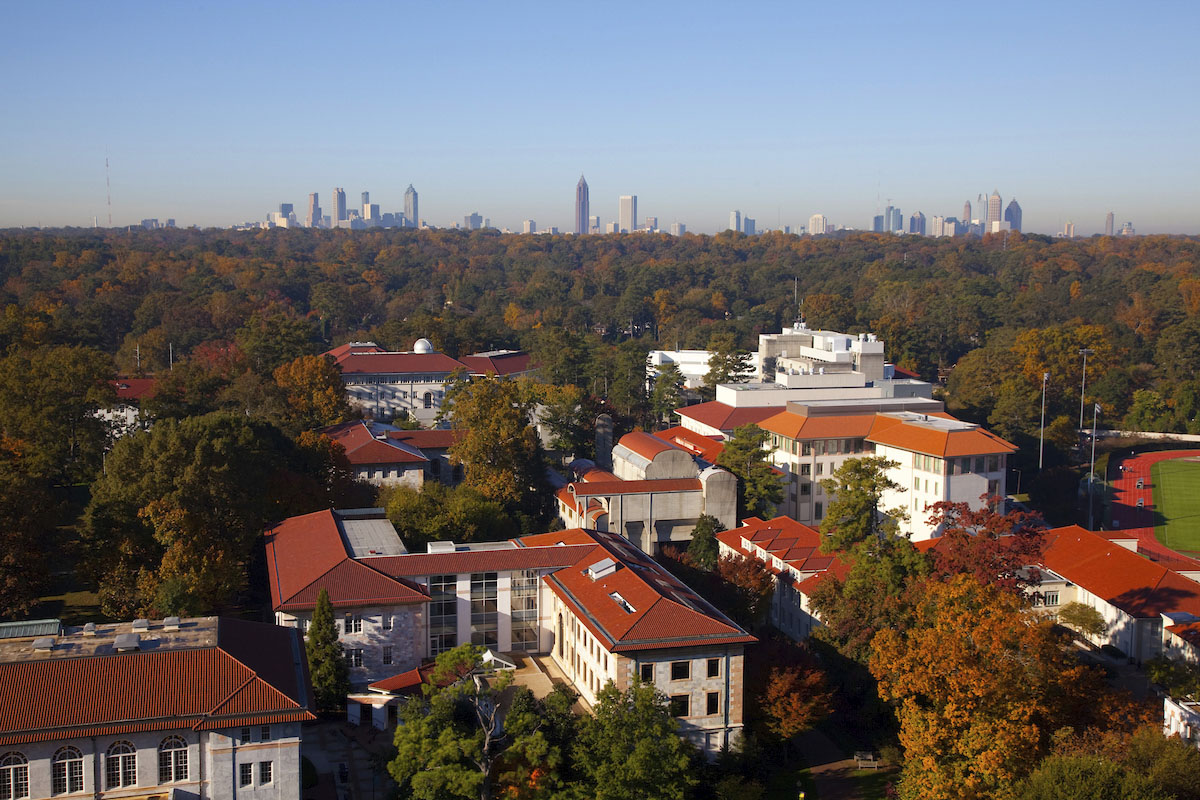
<point x="423" y="346"/>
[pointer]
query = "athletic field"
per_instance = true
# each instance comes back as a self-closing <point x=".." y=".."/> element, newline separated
<point x="1176" y="485"/>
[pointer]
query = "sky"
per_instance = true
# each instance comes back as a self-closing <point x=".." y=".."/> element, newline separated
<point x="214" y="113"/>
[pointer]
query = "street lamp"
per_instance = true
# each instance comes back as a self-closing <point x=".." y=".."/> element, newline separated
<point x="1092" y="469"/>
<point x="1085" y="352"/>
<point x="1042" y="431"/>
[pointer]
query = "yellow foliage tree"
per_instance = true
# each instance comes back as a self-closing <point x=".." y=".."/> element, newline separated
<point x="315" y="394"/>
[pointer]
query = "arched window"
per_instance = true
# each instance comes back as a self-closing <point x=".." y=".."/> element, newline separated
<point x="14" y="776"/>
<point x="67" y="771"/>
<point x="429" y="399"/>
<point x="172" y="760"/>
<point x="120" y="765"/>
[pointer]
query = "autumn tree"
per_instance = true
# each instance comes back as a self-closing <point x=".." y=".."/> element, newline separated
<point x="1086" y="778"/>
<point x="759" y="486"/>
<point x="316" y="396"/>
<point x="751" y="585"/>
<point x="26" y="525"/>
<point x="795" y="698"/>
<point x="326" y="661"/>
<point x="567" y="415"/>
<point x="1083" y="618"/>
<point x="631" y="747"/>
<point x="703" y="549"/>
<point x="996" y="548"/>
<point x="271" y="340"/>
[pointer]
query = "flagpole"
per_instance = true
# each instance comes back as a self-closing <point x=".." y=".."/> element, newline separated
<point x="1092" y="471"/>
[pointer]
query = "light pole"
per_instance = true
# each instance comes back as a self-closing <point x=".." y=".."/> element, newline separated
<point x="1042" y="430"/>
<point x="1092" y="469"/>
<point x="1085" y="352"/>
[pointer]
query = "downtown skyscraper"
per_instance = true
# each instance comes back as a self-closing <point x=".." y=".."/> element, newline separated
<point x="314" y="211"/>
<point x="627" y="213"/>
<point x="410" y="208"/>
<point x="1012" y="215"/>
<point x="995" y="208"/>
<point x="582" y="208"/>
<point x="339" y="206"/>
<point x="1108" y="224"/>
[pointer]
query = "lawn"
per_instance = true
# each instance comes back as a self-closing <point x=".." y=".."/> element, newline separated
<point x="1176" y="485"/>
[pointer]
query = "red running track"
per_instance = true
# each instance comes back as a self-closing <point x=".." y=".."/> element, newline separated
<point x="1126" y="516"/>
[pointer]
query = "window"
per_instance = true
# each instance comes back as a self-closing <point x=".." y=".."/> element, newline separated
<point x="244" y="736"/>
<point x="681" y="670"/>
<point x="443" y="613"/>
<point x="485" y="622"/>
<point x="387" y="654"/>
<point x="979" y="464"/>
<point x="524" y="604"/>
<point x="120" y="766"/>
<point x="818" y="510"/>
<point x="916" y="484"/>
<point x="805" y="470"/>
<point x="354" y="621"/>
<point x="993" y="463"/>
<point x="354" y="657"/>
<point x="67" y="771"/>
<point x="806" y="448"/>
<point x="647" y="671"/>
<point x="304" y="623"/>
<point x="245" y="774"/>
<point x="264" y="771"/>
<point x="1046" y="599"/>
<point x="386" y="622"/>
<point x="713" y="703"/>
<point x="14" y="776"/>
<point x="820" y="468"/>
<point x="680" y="705"/>
<point x="172" y="760"/>
<point x="714" y="668"/>
<point x="805" y="489"/>
<point x="265" y="733"/>
<point x="429" y="399"/>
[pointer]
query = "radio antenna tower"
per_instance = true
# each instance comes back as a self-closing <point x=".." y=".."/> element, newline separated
<point x="108" y="189"/>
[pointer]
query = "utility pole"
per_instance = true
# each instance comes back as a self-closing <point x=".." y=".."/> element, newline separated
<point x="1092" y="469"/>
<point x="1085" y="352"/>
<point x="1042" y="431"/>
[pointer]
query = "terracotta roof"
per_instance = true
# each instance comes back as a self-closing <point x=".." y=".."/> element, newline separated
<point x="654" y="486"/>
<point x="253" y="672"/>
<point x="645" y="445"/>
<point x="784" y="538"/>
<point x="492" y="560"/>
<point x="934" y="440"/>
<point x="363" y="448"/>
<point x="566" y="498"/>
<point x="306" y="553"/>
<point x="500" y="363"/>
<point x="660" y="611"/>
<point x="439" y="439"/>
<point x="706" y="447"/>
<point x="410" y="682"/>
<point x="343" y="350"/>
<point x="726" y="418"/>
<point x="384" y="363"/>
<point x="797" y="426"/>
<point x="1189" y="632"/>
<point x="1136" y="585"/>
<point x="134" y="389"/>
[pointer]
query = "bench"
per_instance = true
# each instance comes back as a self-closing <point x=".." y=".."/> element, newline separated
<point x="866" y="760"/>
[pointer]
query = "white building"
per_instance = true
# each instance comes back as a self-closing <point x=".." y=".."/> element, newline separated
<point x="627" y="213"/>
<point x="201" y="707"/>
<point x="818" y="224"/>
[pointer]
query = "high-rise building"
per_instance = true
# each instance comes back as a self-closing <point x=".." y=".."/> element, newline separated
<point x="339" y="205"/>
<point x="877" y="224"/>
<point x="678" y="229"/>
<point x="582" y="210"/>
<point x="366" y="199"/>
<point x="817" y="224"/>
<point x="286" y="209"/>
<point x="897" y="221"/>
<point x="410" y="208"/>
<point x="1069" y="230"/>
<point x="937" y="225"/>
<point x="473" y="221"/>
<point x="594" y="223"/>
<point x="735" y="220"/>
<point x="529" y="226"/>
<point x="1127" y="230"/>
<point x="1108" y="224"/>
<point x="887" y="218"/>
<point x="314" y="211"/>
<point x="916" y="224"/>
<point x="651" y="224"/>
<point x="627" y="213"/>
<point x="748" y="226"/>
<point x="1012" y="214"/>
<point x="995" y="209"/>
<point x="966" y="217"/>
<point x="612" y="227"/>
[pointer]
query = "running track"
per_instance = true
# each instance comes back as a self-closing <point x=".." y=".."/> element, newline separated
<point x="1126" y="516"/>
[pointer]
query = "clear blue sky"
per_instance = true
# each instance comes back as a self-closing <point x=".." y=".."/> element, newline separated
<point x="213" y="113"/>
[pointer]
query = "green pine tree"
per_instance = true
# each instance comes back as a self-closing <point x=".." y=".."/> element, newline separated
<point x="326" y="663"/>
<point x="703" y="548"/>
<point x="759" y="486"/>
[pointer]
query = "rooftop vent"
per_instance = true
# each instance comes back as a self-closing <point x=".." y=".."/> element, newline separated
<point x="141" y="625"/>
<point x="623" y="603"/>
<point x="43" y="644"/>
<point x="602" y="569"/>
<point x="171" y="624"/>
<point x="89" y="629"/>
<point x="442" y="547"/>
<point x="127" y="642"/>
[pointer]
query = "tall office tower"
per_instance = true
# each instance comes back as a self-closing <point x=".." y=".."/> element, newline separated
<point x="582" y="210"/>
<point x="1069" y="230"/>
<point x="594" y="223"/>
<point x="627" y="213"/>
<point x="287" y="208"/>
<point x="314" y="211"/>
<point x="473" y="221"/>
<point x="966" y="217"/>
<point x="916" y="224"/>
<point x="748" y="226"/>
<point x="735" y="220"/>
<point x="995" y="209"/>
<point x="612" y="227"/>
<point x="651" y="223"/>
<point x="529" y="226"/>
<point x="366" y="197"/>
<point x="411" y="219"/>
<point x="877" y="224"/>
<point x="678" y="229"/>
<point x="887" y="218"/>
<point x="817" y="224"/>
<point x="937" y="225"/>
<point x="1127" y="230"/>
<point x="1012" y="214"/>
<point x="371" y="213"/>
<point x="1108" y="224"/>
<point x="897" y="224"/>
<point x="339" y="205"/>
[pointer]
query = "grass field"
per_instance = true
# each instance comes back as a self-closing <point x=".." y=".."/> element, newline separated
<point x="1177" y="498"/>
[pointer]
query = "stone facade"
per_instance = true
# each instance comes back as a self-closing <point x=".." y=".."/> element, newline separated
<point x="367" y="635"/>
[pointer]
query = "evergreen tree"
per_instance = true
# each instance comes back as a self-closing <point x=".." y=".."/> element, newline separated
<point x="667" y="394"/>
<point x="854" y="514"/>
<point x="727" y="363"/>
<point x="703" y="549"/>
<point x="326" y="663"/>
<point x="759" y="487"/>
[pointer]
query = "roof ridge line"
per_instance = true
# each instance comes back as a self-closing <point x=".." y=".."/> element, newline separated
<point x="232" y="694"/>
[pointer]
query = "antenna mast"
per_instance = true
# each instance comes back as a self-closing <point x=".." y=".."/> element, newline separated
<point x="108" y="189"/>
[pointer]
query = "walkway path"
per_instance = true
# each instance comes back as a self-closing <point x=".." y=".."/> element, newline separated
<point x="831" y="771"/>
<point x="1126" y="515"/>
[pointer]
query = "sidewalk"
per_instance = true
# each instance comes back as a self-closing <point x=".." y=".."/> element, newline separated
<point x="831" y="771"/>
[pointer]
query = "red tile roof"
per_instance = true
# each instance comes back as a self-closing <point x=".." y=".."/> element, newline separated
<point x="797" y="426"/>
<point x="653" y="486"/>
<point x="726" y="418"/>
<point x="706" y="447"/>
<point x="1136" y="585"/>
<point x="343" y="350"/>
<point x="499" y="363"/>
<point x="362" y="448"/>
<point x="934" y="441"/>
<point x="134" y="389"/>
<point x="421" y="564"/>
<point x="1188" y="631"/>
<point x="384" y="363"/>
<point x="784" y="538"/>
<point x="253" y="672"/>
<point x="306" y="553"/>
<point x="662" y="612"/>
<point x="645" y="444"/>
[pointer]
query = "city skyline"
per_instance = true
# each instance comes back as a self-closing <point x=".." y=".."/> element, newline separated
<point x="487" y="119"/>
